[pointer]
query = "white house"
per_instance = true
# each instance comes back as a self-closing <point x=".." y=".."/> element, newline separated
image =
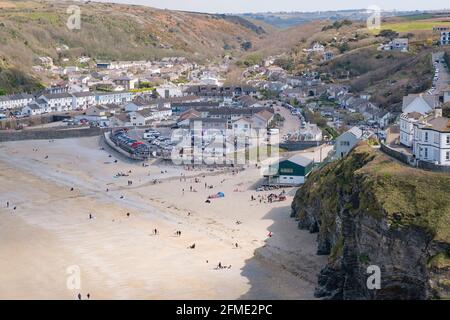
<point x="347" y="141"/>
<point x="113" y="97"/>
<point x="399" y="44"/>
<point x="407" y="121"/>
<point x="432" y="139"/>
<point x="58" y="102"/>
<point x="383" y="118"/>
<point x="129" y="83"/>
<point x="82" y="100"/>
<point x="317" y="47"/>
<point x="15" y="101"/>
<point x="32" y="109"/>
<point x="310" y="132"/>
<point x="161" y="113"/>
<point x="242" y="126"/>
<point x="167" y="91"/>
<point x="415" y="107"/>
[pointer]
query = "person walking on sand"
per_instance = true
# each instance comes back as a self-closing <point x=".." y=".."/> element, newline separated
<point x="79" y="296"/>
<point x="7" y="204"/>
<point x="90" y="216"/>
<point x="88" y="296"/>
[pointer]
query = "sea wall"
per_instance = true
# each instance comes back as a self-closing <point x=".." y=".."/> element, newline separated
<point x="48" y="134"/>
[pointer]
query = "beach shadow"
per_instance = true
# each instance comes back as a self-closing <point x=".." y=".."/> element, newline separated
<point x="286" y="265"/>
<point x="256" y="185"/>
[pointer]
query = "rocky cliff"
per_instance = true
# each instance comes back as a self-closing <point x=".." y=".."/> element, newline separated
<point x="369" y="210"/>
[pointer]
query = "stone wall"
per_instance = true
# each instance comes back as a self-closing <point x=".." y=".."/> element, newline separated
<point x="432" y="167"/>
<point x="47" y="134"/>
<point x="299" y="145"/>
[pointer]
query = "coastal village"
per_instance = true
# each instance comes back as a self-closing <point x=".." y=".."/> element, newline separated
<point x="173" y="93"/>
<point x="146" y="152"/>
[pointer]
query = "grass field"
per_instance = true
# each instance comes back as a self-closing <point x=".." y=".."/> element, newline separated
<point x="414" y="25"/>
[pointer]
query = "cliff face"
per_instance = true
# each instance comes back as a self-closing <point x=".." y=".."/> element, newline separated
<point x="371" y="211"/>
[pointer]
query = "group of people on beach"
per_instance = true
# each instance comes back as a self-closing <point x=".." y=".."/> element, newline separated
<point x="88" y="296"/>
<point x="8" y="205"/>
<point x="220" y="266"/>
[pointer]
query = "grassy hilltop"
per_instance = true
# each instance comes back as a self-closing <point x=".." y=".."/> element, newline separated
<point x="29" y="29"/>
<point x="368" y="209"/>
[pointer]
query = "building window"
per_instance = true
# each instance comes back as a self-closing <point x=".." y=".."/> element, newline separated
<point x="426" y="153"/>
<point x="448" y="139"/>
<point x="426" y="136"/>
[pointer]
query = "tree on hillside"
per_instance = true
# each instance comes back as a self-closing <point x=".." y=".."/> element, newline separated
<point x="343" y="47"/>
<point x="246" y="45"/>
<point x="388" y="33"/>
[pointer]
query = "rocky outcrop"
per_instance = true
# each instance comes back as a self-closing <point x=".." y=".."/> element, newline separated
<point x="371" y="212"/>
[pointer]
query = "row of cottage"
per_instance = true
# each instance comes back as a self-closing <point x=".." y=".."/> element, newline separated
<point x="61" y="102"/>
<point x="64" y="101"/>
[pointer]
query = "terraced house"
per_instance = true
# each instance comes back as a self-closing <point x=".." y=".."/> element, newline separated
<point x="83" y="100"/>
<point x="15" y="101"/>
<point x="113" y="97"/>
<point x="58" y="102"/>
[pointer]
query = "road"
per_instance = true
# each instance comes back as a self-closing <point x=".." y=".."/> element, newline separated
<point x="444" y="76"/>
<point x="291" y="123"/>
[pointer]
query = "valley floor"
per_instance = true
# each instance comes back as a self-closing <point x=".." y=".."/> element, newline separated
<point x="118" y="256"/>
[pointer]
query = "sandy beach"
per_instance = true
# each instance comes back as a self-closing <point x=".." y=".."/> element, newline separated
<point x="116" y="250"/>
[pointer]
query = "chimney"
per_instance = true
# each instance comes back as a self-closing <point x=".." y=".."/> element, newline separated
<point x="438" y="112"/>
